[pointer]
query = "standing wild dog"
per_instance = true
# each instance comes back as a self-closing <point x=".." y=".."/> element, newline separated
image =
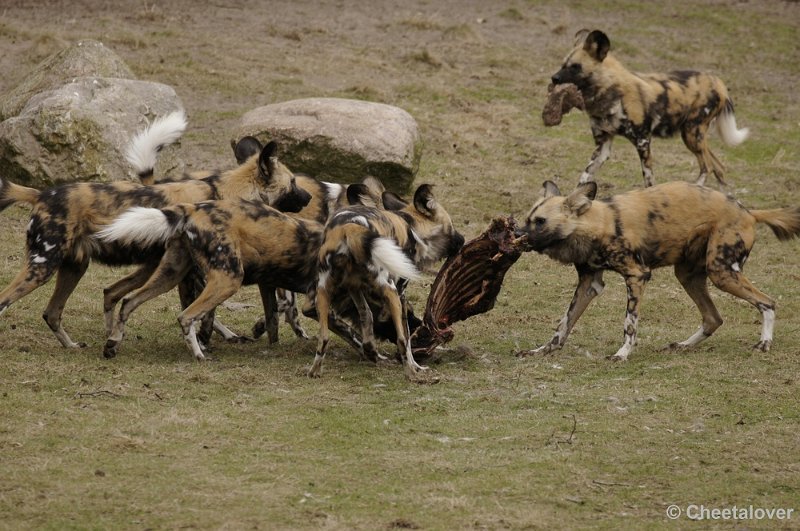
<point x="64" y="220"/>
<point x="367" y="250"/>
<point x="636" y="106"/>
<point x="232" y="242"/>
<point x="699" y="231"/>
<point x="326" y="198"/>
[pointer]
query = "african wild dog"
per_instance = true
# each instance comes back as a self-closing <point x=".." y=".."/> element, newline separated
<point x="636" y="106"/>
<point x="368" y="250"/>
<point x="233" y="242"/>
<point x="699" y="231"/>
<point x="64" y="220"/>
<point x="326" y="199"/>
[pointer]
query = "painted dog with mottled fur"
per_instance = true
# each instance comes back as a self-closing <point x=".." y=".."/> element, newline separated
<point x="368" y="251"/>
<point x="326" y="199"/>
<point x="638" y="106"/>
<point x="704" y="234"/>
<point x="234" y="243"/>
<point x="61" y="239"/>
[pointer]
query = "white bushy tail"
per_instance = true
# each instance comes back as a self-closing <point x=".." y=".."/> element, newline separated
<point x="144" y="148"/>
<point x="388" y="256"/>
<point x="726" y="125"/>
<point x="141" y="226"/>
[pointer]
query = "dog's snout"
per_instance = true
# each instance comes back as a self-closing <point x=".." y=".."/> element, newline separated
<point x="556" y="79"/>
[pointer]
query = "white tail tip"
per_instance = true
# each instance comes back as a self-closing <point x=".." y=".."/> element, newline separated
<point x="726" y="125"/>
<point x="387" y="255"/>
<point x="144" y="148"/>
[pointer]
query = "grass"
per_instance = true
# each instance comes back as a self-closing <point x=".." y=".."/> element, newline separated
<point x="152" y="439"/>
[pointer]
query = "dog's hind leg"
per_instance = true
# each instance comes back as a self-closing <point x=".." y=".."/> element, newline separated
<point x="172" y="268"/>
<point x="114" y="293"/>
<point x="365" y="317"/>
<point x="412" y="368"/>
<point x="220" y="286"/>
<point x="30" y="277"/>
<point x="695" y="282"/>
<point x="694" y="136"/>
<point x="590" y="285"/>
<point x="601" y="153"/>
<point x="287" y="305"/>
<point x="725" y="263"/>
<point x="69" y="274"/>
<point x="323" y="309"/>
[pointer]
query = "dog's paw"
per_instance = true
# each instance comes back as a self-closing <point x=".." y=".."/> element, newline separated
<point x="369" y="352"/>
<point x="260" y="328"/>
<point x="675" y="346"/>
<point x="763" y="345"/>
<point x="110" y="349"/>
<point x="617" y="357"/>
<point x="239" y="339"/>
<point x="544" y="349"/>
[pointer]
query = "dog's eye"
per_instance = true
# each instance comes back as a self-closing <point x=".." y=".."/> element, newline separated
<point x="575" y="67"/>
<point x="539" y="222"/>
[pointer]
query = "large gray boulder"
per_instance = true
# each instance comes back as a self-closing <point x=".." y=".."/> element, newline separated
<point x="340" y="140"/>
<point x="79" y="131"/>
<point x="85" y="58"/>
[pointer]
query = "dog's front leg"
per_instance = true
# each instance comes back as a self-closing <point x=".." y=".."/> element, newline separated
<point x="642" y="144"/>
<point x="270" y="303"/>
<point x="590" y="285"/>
<point x="635" y="284"/>
<point x="602" y="151"/>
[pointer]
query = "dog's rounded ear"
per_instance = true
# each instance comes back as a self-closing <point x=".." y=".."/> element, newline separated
<point x="580" y="36"/>
<point x="267" y="160"/>
<point x="549" y="189"/>
<point x="392" y="201"/>
<point x="424" y="201"/>
<point x="245" y="148"/>
<point x="581" y="198"/>
<point x="359" y="194"/>
<point x="597" y="45"/>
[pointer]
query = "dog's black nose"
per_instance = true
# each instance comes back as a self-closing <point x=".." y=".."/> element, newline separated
<point x="556" y="79"/>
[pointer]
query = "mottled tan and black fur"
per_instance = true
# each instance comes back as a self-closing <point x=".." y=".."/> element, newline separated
<point x="368" y="252"/>
<point x="64" y="220"/>
<point x="638" y="106"/>
<point x="702" y="233"/>
<point x="232" y="242"/>
<point x="326" y="199"/>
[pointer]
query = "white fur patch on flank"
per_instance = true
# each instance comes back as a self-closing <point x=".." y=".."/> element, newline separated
<point x="140" y="225"/>
<point x="726" y="125"/>
<point x="387" y="255"/>
<point x="144" y="148"/>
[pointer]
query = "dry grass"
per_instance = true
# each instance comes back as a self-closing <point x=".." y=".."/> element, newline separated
<point x="153" y="440"/>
